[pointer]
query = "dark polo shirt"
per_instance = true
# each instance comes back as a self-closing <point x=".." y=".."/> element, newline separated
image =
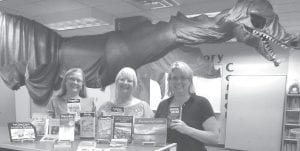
<point x="194" y="112"/>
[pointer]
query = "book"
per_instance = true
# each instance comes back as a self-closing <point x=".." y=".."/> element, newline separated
<point x="21" y="132"/>
<point x="150" y="131"/>
<point x="174" y="114"/>
<point x="74" y="107"/>
<point x="39" y="121"/>
<point x="87" y="125"/>
<point x="67" y="127"/>
<point x="117" y="111"/>
<point x="123" y="127"/>
<point x="86" y="146"/>
<point x="104" y="129"/>
<point x="63" y="146"/>
<point x="52" y="130"/>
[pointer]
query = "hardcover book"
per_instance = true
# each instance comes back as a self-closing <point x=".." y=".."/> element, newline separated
<point x="67" y="127"/>
<point x="104" y="129"/>
<point x="123" y="127"/>
<point x="39" y="121"/>
<point x="87" y="125"/>
<point x="21" y="132"/>
<point x="150" y="131"/>
<point x="52" y="130"/>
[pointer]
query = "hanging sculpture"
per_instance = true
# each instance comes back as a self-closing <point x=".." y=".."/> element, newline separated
<point x="34" y="55"/>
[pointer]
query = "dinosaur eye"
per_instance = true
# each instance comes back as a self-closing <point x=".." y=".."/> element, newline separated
<point x="258" y="21"/>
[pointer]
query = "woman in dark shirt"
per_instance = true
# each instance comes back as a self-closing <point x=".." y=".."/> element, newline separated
<point x="198" y="125"/>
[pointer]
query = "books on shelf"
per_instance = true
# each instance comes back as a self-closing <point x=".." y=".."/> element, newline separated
<point x="39" y="121"/>
<point x="87" y="125"/>
<point x="123" y="127"/>
<point x="67" y="127"/>
<point x="21" y="132"/>
<point x="52" y="130"/>
<point x="104" y="129"/>
<point x="150" y="131"/>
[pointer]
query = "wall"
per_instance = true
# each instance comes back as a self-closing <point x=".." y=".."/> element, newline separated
<point x="7" y="105"/>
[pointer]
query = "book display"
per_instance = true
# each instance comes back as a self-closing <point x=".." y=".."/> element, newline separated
<point x="87" y="125"/>
<point x="123" y="127"/>
<point x="104" y="129"/>
<point x="150" y="131"/>
<point x="67" y="127"/>
<point x="39" y="121"/>
<point x="21" y="132"/>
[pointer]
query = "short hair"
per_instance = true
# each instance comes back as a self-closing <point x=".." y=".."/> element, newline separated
<point x="127" y="72"/>
<point x="63" y="88"/>
<point x="186" y="70"/>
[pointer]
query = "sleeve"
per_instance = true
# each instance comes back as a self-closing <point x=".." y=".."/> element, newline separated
<point x="207" y="110"/>
<point x="148" y="113"/>
<point x="160" y="110"/>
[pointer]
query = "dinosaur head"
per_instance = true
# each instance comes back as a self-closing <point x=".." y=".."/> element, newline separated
<point x="257" y="25"/>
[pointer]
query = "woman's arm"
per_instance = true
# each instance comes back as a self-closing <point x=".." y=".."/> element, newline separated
<point x="209" y="135"/>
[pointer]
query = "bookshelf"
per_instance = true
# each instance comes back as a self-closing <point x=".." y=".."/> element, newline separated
<point x="291" y="124"/>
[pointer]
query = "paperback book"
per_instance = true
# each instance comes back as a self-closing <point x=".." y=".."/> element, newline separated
<point x="21" y="132"/>
<point x="123" y="127"/>
<point x="67" y="127"/>
<point x="52" y="130"/>
<point x="74" y="107"/>
<point x="150" y="131"/>
<point x="174" y="114"/>
<point x="104" y="129"/>
<point x="87" y="125"/>
<point x="117" y="111"/>
<point x="39" y="121"/>
<point x="86" y="146"/>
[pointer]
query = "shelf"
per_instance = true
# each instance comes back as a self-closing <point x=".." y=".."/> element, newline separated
<point x="290" y="139"/>
<point x="293" y="110"/>
<point x="292" y="125"/>
<point x="294" y="95"/>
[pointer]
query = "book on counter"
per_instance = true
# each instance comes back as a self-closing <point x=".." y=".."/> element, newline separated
<point x="52" y="130"/>
<point x="117" y="111"/>
<point x="39" y="121"/>
<point x="87" y="125"/>
<point x="67" y="127"/>
<point x="150" y="131"/>
<point x="21" y="132"/>
<point x="86" y="146"/>
<point x="123" y="127"/>
<point x="104" y="129"/>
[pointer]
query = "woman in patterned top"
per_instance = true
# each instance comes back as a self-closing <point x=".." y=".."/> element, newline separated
<point x="124" y="102"/>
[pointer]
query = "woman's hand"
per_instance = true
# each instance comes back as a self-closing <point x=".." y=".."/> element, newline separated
<point x="179" y="126"/>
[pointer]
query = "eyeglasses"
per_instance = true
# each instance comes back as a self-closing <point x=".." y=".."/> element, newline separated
<point x="75" y="80"/>
<point x="179" y="79"/>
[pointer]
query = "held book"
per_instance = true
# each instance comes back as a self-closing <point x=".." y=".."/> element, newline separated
<point x="87" y="125"/>
<point x="67" y="127"/>
<point x="174" y="114"/>
<point x="150" y="131"/>
<point x="39" y="121"/>
<point x="21" y="132"/>
<point x="74" y="107"/>
<point x="104" y="129"/>
<point x="123" y="127"/>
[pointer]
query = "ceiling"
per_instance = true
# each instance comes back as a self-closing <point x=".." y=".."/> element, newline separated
<point x="49" y="11"/>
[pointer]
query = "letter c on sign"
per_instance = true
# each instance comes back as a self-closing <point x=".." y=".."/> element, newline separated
<point x="228" y="67"/>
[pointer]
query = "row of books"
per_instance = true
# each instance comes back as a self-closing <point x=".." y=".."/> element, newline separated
<point x="140" y="131"/>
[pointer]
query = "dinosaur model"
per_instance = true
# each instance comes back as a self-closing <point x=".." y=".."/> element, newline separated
<point x="33" y="55"/>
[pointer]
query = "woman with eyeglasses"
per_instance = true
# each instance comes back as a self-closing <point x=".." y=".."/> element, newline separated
<point x="72" y="91"/>
<point x="124" y="102"/>
<point x="197" y="124"/>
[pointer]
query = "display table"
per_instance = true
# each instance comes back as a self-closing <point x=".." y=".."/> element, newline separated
<point x="43" y="146"/>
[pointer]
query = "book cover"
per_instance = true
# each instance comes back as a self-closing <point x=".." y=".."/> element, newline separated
<point x="21" y="131"/>
<point x="52" y="130"/>
<point x="67" y="127"/>
<point x="104" y="129"/>
<point x="123" y="127"/>
<point x="74" y="107"/>
<point x="150" y="131"/>
<point x="86" y="146"/>
<point x="117" y="111"/>
<point x="87" y="125"/>
<point x="39" y="121"/>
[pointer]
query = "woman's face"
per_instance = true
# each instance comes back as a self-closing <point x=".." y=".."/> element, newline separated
<point x="74" y="82"/>
<point x="179" y="82"/>
<point x="125" y="84"/>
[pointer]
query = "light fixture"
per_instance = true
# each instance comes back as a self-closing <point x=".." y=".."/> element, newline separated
<point x="77" y="23"/>
<point x="157" y="4"/>
<point x="75" y="19"/>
